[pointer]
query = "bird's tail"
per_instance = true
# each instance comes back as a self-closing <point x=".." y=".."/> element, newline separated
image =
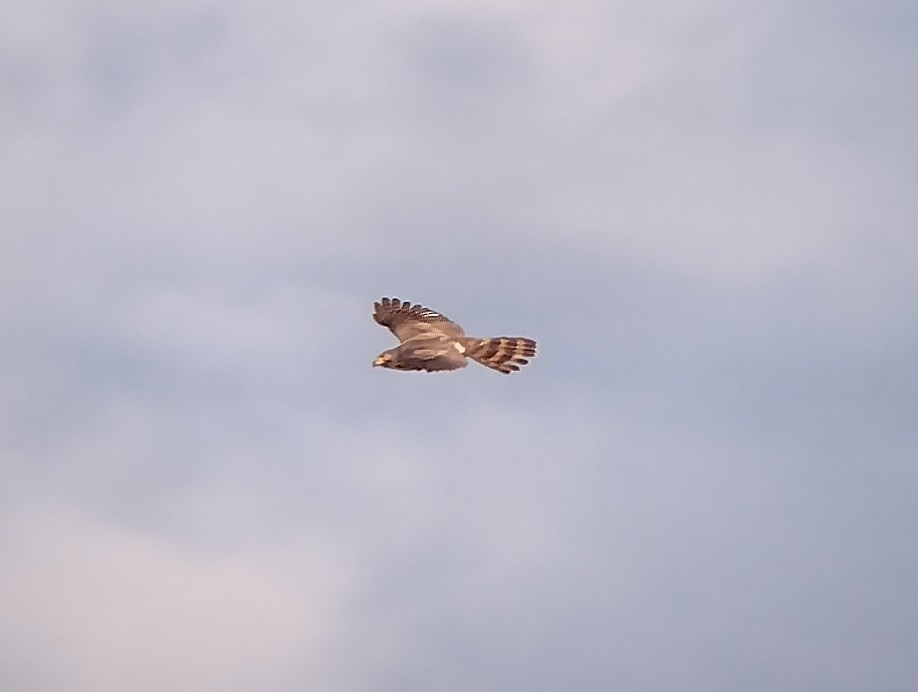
<point x="503" y="353"/>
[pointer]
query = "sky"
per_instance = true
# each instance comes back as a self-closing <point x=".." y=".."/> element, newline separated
<point x="704" y="213"/>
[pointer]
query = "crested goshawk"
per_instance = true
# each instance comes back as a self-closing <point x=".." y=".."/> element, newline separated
<point x="431" y="341"/>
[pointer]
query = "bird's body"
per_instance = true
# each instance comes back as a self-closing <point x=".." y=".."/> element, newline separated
<point x="432" y="342"/>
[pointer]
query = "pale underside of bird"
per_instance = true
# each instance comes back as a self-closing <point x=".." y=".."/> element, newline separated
<point x="432" y="342"/>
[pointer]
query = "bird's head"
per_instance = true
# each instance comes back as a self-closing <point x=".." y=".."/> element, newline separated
<point x="382" y="360"/>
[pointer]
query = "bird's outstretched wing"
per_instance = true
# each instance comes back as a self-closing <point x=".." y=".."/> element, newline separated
<point x="407" y="321"/>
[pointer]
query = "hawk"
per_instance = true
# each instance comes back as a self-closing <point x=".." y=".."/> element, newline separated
<point x="431" y="341"/>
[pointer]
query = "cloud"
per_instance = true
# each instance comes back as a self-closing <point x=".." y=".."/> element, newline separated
<point x="702" y="213"/>
<point x="115" y="607"/>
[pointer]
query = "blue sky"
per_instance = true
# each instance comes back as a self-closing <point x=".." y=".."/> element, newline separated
<point x="705" y="215"/>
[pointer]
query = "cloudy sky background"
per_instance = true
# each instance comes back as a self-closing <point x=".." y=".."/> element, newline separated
<point x="706" y="214"/>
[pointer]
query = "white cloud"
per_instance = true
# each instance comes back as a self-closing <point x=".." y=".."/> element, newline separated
<point x="116" y="609"/>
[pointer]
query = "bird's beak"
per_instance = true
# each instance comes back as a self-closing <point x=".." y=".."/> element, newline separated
<point x="378" y="361"/>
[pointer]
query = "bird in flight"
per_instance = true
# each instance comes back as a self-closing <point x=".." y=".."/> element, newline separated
<point x="431" y="341"/>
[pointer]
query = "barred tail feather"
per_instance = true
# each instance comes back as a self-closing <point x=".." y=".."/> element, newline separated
<point x="503" y="353"/>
